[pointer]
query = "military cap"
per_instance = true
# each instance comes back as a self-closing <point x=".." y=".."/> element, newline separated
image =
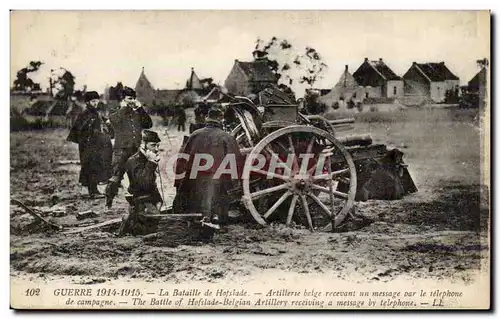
<point x="150" y="136"/>
<point x="128" y="92"/>
<point x="91" y="95"/>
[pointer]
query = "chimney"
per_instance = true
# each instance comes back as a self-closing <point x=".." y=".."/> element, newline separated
<point x="380" y="60"/>
<point x="441" y="63"/>
<point x="414" y="63"/>
<point x="366" y="59"/>
<point x="346" y="68"/>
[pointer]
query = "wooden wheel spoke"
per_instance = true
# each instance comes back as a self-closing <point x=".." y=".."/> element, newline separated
<point x="277" y="204"/>
<point x="295" y="165"/>
<point x="269" y="190"/>
<point x="273" y="154"/>
<point x="291" y="210"/>
<point x="271" y="174"/>
<point x="326" y="190"/>
<point x="310" y="145"/>
<point x="330" y="183"/>
<point x="321" y="205"/>
<point x="340" y="194"/>
<point x="292" y="147"/>
<point x="331" y="175"/>
<point x="319" y="163"/>
<point x="306" y="211"/>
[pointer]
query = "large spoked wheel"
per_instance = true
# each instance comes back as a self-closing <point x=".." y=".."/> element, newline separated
<point x="298" y="169"/>
<point x="242" y="138"/>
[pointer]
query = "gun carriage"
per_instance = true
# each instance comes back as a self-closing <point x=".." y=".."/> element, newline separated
<point x="318" y="175"/>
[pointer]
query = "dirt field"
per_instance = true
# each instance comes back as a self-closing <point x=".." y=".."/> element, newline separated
<point x="441" y="232"/>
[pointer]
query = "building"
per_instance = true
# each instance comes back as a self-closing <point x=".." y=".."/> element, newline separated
<point x="346" y="89"/>
<point x="475" y="92"/>
<point x="191" y="94"/>
<point x="144" y="89"/>
<point x="194" y="83"/>
<point x="167" y="97"/>
<point x="247" y="78"/>
<point x="378" y="80"/>
<point x="430" y="81"/>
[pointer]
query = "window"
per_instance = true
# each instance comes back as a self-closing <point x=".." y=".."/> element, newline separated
<point x="366" y="94"/>
<point x="395" y="90"/>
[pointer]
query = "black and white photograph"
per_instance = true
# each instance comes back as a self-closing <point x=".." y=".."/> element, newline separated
<point x="220" y="159"/>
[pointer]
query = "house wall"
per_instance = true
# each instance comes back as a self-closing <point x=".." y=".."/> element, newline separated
<point x="145" y="95"/>
<point x="236" y="82"/>
<point x="415" y="83"/>
<point x="355" y="94"/>
<point x="399" y="85"/>
<point x="452" y="84"/>
<point x="438" y="91"/>
<point x="371" y="92"/>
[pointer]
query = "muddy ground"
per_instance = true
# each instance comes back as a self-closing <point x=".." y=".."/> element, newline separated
<point x="440" y="232"/>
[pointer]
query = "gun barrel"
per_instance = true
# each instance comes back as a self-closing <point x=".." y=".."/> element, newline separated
<point x="342" y="121"/>
<point x="358" y="140"/>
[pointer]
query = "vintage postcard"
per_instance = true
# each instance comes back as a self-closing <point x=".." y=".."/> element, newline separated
<point x="250" y="160"/>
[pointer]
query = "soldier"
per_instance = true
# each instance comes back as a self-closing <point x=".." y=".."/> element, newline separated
<point x="199" y="116"/>
<point x="92" y="135"/>
<point x="181" y="120"/>
<point x="127" y="123"/>
<point x="141" y="169"/>
<point x="207" y="193"/>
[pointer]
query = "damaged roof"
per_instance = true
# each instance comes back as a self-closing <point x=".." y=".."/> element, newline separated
<point x="257" y="71"/>
<point x="436" y="71"/>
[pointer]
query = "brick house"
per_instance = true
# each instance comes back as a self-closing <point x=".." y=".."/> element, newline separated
<point x="378" y="80"/>
<point x="249" y="77"/>
<point x="430" y="80"/>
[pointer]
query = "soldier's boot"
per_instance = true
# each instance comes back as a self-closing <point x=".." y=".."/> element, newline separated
<point x="94" y="191"/>
<point x="123" y="227"/>
<point x="111" y="192"/>
<point x="207" y="229"/>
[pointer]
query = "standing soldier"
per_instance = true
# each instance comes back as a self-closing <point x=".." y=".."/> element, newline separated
<point x="181" y="120"/>
<point x="141" y="169"/>
<point x="92" y="135"/>
<point x="207" y="193"/>
<point x="127" y="124"/>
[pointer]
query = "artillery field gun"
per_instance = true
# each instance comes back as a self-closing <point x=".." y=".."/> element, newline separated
<point x="320" y="175"/>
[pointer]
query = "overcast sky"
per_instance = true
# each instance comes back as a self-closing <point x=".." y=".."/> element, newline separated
<point x="103" y="47"/>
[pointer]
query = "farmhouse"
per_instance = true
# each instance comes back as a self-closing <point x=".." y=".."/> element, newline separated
<point x="430" y="80"/>
<point x="346" y="89"/>
<point x="247" y="78"/>
<point x="475" y="92"/>
<point x="191" y="94"/>
<point x="378" y="80"/>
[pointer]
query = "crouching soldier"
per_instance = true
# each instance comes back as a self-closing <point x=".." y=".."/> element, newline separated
<point x="141" y="169"/>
